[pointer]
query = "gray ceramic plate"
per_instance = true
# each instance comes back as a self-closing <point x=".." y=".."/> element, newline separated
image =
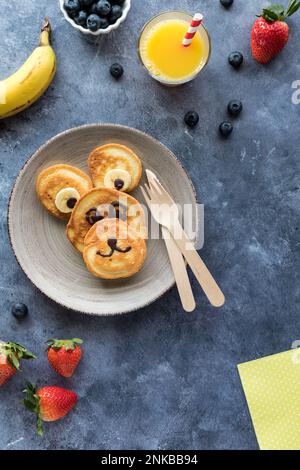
<point x="39" y="240"/>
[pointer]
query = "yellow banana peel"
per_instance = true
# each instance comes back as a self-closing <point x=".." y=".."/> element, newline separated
<point x="27" y="85"/>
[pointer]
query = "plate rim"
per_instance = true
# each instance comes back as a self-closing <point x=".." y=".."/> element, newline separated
<point x="23" y="169"/>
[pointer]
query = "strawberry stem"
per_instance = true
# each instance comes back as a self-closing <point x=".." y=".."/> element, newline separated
<point x="32" y="403"/>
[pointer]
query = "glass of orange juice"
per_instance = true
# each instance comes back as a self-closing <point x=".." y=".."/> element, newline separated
<point x="163" y="54"/>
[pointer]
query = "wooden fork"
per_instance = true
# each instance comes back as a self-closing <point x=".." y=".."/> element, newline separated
<point x="178" y="264"/>
<point x="162" y="208"/>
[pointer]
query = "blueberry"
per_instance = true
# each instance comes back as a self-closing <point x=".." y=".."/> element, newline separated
<point x="71" y="203"/>
<point x="104" y="23"/>
<point x="103" y="8"/>
<point x="86" y="3"/>
<point x="118" y="183"/>
<point x="116" y="70"/>
<point x="115" y="14"/>
<point x="19" y="311"/>
<point x="226" y="3"/>
<point x="93" y="22"/>
<point x="80" y="18"/>
<point x="234" y="107"/>
<point x="93" y="9"/>
<point x="117" y="2"/>
<point x="236" y="59"/>
<point x="72" y="6"/>
<point x="191" y="118"/>
<point x="225" y="128"/>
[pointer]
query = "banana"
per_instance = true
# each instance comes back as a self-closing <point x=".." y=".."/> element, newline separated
<point x="117" y="179"/>
<point x="66" y="199"/>
<point x="32" y="79"/>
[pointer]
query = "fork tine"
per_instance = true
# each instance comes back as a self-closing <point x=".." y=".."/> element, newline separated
<point x="153" y="184"/>
<point x="147" y="187"/>
<point x="163" y="191"/>
<point x="147" y="199"/>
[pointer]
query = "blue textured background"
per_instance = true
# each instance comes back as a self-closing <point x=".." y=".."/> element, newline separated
<point x="159" y="378"/>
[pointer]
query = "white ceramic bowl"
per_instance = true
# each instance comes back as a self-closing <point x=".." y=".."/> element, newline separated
<point x="112" y="27"/>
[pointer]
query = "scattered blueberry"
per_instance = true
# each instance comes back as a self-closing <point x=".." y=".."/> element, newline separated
<point x="80" y="18"/>
<point x="234" y="107"/>
<point x="225" y="128"/>
<point x="226" y="3"/>
<point x="86" y="3"/>
<point x="103" y="7"/>
<point x="191" y="118"/>
<point x="93" y="22"/>
<point x="236" y="59"/>
<point x="116" y="70"/>
<point x="115" y="14"/>
<point x="72" y="6"/>
<point x="19" y="311"/>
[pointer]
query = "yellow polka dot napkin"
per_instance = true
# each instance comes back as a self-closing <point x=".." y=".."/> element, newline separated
<point x="272" y="389"/>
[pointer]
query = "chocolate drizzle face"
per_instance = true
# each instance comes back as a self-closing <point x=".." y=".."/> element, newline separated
<point x="92" y="216"/>
<point x="113" y="245"/>
<point x="115" y="210"/>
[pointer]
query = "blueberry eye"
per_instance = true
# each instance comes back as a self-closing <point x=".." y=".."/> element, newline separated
<point x="119" y="183"/>
<point x="93" y="216"/>
<point x="71" y="202"/>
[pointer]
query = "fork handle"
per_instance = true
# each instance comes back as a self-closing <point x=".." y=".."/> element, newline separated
<point x="202" y="274"/>
<point x="180" y="272"/>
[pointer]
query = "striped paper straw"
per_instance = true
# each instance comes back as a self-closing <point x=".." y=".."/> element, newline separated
<point x="197" y="20"/>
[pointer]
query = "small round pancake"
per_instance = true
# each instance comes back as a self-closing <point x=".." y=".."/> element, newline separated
<point x="114" y="157"/>
<point x="100" y="203"/>
<point x="56" y="178"/>
<point x="116" y="250"/>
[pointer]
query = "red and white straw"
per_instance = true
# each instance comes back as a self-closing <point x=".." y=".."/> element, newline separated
<point x="197" y="20"/>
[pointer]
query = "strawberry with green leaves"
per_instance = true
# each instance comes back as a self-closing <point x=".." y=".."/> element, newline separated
<point x="64" y="355"/>
<point x="48" y="403"/>
<point x="10" y="356"/>
<point x="270" y="32"/>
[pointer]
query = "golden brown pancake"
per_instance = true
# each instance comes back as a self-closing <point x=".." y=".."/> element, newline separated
<point x="100" y="203"/>
<point x="57" y="178"/>
<point x="114" y="250"/>
<point x="115" y="166"/>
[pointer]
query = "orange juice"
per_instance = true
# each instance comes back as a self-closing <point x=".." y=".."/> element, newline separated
<point x="163" y="54"/>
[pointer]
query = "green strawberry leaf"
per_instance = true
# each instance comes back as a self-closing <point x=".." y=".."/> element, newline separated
<point x="29" y="405"/>
<point x="276" y="11"/>
<point x="14" y="352"/>
<point x="292" y="8"/>
<point x="68" y="344"/>
<point x="269" y="15"/>
<point x="277" y="8"/>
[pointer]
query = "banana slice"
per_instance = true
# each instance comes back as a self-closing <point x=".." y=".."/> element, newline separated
<point x="66" y="199"/>
<point x="117" y="179"/>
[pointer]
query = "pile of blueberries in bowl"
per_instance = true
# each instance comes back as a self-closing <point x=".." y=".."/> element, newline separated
<point x="95" y="16"/>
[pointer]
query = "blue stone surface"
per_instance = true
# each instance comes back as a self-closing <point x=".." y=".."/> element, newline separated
<point x="159" y="378"/>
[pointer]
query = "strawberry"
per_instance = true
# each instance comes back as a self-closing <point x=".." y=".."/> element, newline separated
<point x="10" y="355"/>
<point x="48" y="403"/>
<point x="64" y="355"/>
<point x="270" y="33"/>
